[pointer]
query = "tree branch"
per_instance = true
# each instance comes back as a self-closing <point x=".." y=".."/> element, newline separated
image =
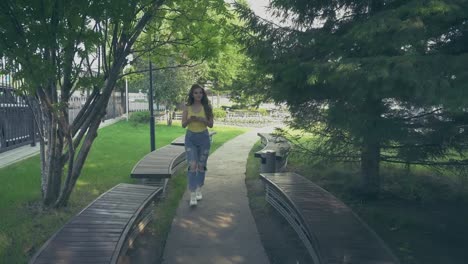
<point x="163" y="68"/>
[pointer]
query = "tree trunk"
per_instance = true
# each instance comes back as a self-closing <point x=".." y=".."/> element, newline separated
<point x="51" y="171"/>
<point x="370" y="149"/>
<point x="78" y="164"/>
<point x="370" y="163"/>
<point x="169" y="116"/>
<point x="64" y="145"/>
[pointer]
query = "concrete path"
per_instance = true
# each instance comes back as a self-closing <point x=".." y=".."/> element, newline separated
<point x="18" y="154"/>
<point x="221" y="228"/>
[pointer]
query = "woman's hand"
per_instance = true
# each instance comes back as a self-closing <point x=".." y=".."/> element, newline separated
<point x="201" y="119"/>
<point x="205" y="121"/>
<point x="198" y="119"/>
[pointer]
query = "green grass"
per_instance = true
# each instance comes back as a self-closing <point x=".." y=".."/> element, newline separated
<point x="25" y="225"/>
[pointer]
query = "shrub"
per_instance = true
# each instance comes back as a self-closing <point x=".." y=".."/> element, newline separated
<point x="219" y="113"/>
<point x="261" y="111"/>
<point x="139" y="118"/>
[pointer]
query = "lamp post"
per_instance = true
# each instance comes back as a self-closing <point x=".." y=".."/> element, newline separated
<point x="150" y="99"/>
<point x="127" y="99"/>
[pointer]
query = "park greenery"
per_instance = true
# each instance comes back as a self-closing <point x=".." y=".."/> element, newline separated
<point x="25" y="225"/>
<point x="371" y="85"/>
<point x="378" y="81"/>
<point x="206" y="52"/>
<point x="54" y="48"/>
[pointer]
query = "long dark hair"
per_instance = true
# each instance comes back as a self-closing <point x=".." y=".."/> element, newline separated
<point x="204" y="101"/>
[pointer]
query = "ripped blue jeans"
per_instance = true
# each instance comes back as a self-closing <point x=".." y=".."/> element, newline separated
<point x="197" y="148"/>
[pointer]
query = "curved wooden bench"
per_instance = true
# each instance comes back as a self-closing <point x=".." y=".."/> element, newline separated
<point x="277" y="144"/>
<point x="160" y="164"/>
<point x="103" y="231"/>
<point x="330" y="231"/>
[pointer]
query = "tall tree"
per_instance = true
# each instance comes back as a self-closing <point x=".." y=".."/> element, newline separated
<point x="250" y="87"/>
<point x="57" y="46"/>
<point x="52" y="45"/>
<point x="383" y="78"/>
<point x="197" y="37"/>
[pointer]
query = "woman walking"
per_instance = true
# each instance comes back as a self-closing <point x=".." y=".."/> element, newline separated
<point x="197" y="117"/>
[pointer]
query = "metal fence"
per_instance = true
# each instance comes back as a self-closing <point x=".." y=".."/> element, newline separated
<point x="16" y="120"/>
<point x="17" y="127"/>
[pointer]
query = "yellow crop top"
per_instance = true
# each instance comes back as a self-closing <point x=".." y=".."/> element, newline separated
<point x="196" y="126"/>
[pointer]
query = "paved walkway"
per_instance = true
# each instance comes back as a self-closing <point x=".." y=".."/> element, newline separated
<point x="24" y="152"/>
<point x="221" y="228"/>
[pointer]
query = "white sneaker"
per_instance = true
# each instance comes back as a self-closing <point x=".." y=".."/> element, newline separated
<point x="198" y="194"/>
<point x="193" y="199"/>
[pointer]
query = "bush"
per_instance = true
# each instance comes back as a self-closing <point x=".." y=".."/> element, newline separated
<point x="235" y="107"/>
<point x="261" y="111"/>
<point x="139" y="118"/>
<point x="219" y="113"/>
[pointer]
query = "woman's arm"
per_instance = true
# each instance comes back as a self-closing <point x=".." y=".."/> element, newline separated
<point x="209" y="122"/>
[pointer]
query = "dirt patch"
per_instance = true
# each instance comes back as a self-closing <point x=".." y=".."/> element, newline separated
<point x="148" y="249"/>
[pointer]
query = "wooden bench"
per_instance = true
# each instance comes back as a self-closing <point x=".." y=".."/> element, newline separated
<point x="161" y="163"/>
<point x="104" y="230"/>
<point x="276" y="146"/>
<point x="158" y="166"/>
<point x="330" y="231"/>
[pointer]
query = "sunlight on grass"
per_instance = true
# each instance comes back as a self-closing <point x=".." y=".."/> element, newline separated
<point x="81" y="183"/>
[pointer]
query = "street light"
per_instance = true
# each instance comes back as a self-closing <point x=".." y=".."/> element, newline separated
<point x="127" y="104"/>
<point x="150" y="99"/>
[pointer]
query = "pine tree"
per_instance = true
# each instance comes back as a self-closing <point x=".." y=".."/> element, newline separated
<point x="382" y="78"/>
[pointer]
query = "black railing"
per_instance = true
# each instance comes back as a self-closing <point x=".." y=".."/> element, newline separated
<point x="17" y="126"/>
<point x="16" y="120"/>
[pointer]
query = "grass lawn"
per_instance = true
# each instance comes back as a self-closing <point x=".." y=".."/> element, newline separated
<point x="25" y="225"/>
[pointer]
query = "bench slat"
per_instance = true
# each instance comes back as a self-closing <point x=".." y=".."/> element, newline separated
<point x="98" y="235"/>
<point x="339" y="235"/>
